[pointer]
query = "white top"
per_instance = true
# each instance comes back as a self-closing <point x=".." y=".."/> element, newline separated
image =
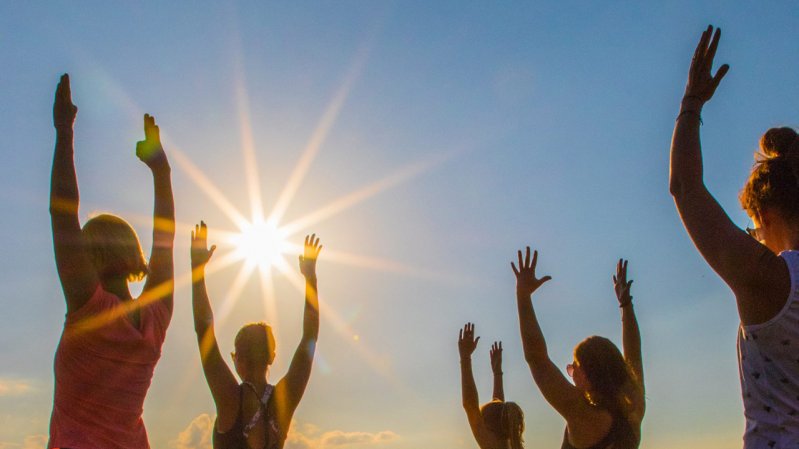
<point x="768" y="365"/>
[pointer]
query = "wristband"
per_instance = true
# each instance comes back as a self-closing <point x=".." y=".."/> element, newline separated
<point x="690" y="111"/>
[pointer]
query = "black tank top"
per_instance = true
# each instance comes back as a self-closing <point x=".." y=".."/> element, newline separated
<point x="615" y="434"/>
<point x="234" y="438"/>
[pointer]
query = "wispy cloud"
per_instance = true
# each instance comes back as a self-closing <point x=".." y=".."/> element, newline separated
<point x="308" y="436"/>
<point x="30" y="442"/>
<point x="198" y="435"/>
<point x="14" y="387"/>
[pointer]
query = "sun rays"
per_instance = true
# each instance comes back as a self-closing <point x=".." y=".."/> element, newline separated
<point x="259" y="241"/>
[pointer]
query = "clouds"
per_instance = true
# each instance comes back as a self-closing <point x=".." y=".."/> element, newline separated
<point x="199" y="433"/>
<point x="14" y="387"/>
<point x="30" y="442"/>
<point x="308" y="436"/>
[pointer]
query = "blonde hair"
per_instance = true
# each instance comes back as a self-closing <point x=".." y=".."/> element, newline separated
<point x="114" y="248"/>
<point x="506" y="421"/>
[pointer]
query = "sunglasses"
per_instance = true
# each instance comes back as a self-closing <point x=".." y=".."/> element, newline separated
<point x="570" y="368"/>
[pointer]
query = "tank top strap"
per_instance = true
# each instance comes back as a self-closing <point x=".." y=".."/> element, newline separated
<point x="264" y="400"/>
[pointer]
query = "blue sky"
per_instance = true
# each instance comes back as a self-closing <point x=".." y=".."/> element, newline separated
<point x="475" y="128"/>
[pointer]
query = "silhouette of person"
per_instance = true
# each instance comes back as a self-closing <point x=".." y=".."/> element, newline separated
<point x="253" y="414"/>
<point x="111" y="342"/>
<point x="761" y="267"/>
<point x="497" y="424"/>
<point x="605" y="405"/>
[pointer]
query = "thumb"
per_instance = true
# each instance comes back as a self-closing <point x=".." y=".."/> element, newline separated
<point x="545" y="278"/>
<point x="211" y="251"/>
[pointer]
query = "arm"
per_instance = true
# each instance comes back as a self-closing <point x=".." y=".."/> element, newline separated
<point x="221" y="382"/>
<point x="557" y="390"/>
<point x="161" y="277"/>
<point x="751" y="270"/>
<point x="291" y="387"/>
<point x="496" y="369"/>
<point x="78" y="277"/>
<point x="471" y="402"/>
<point x="630" y="334"/>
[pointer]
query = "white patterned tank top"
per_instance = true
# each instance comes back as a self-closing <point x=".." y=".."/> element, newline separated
<point x="768" y="366"/>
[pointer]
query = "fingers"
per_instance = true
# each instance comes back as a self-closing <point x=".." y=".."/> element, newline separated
<point x="151" y="131"/>
<point x="521" y="261"/>
<point x="711" y="51"/>
<point x="699" y="53"/>
<point x="527" y="258"/>
<point x="714" y="83"/>
<point x="515" y="271"/>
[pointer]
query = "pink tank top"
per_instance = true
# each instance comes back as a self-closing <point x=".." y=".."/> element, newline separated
<point x="102" y="373"/>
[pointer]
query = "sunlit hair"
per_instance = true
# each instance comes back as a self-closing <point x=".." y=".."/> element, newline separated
<point x="114" y="248"/>
<point x="506" y="421"/>
<point x="613" y="386"/>
<point x="774" y="181"/>
<point x="255" y="345"/>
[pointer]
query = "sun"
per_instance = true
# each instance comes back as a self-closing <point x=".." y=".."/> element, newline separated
<point x="261" y="243"/>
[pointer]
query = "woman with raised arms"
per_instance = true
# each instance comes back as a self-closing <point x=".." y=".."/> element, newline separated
<point x="111" y="341"/>
<point x="497" y="424"/>
<point x="605" y="405"/>
<point x="253" y="414"/>
<point x="761" y="266"/>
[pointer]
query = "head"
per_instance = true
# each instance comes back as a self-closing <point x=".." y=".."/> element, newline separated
<point x="506" y="421"/>
<point x="114" y="248"/>
<point x="771" y="194"/>
<point x="601" y="371"/>
<point x="255" y="350"/>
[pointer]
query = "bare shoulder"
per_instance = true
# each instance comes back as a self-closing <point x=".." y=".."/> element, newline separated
<point x="766" y="297"/>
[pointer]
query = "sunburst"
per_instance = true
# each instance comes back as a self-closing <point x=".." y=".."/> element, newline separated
<point x="261" y="242"/>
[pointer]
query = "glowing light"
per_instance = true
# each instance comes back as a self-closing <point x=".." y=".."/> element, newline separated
<point x="260" y="244"/>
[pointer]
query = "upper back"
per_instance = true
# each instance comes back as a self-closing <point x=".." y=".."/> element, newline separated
<point x="769" y="371"/>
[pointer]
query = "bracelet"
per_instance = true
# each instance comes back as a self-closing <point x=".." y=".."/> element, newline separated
<point x="625" y="304"/>
<point x="690" y="111"/>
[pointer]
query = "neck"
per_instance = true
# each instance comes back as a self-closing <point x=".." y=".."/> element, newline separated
<point x="259" y="380"/>
<point x="117" y="286"/>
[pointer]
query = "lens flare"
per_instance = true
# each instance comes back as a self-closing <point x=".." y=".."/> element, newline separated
<point x="260" y="244"/>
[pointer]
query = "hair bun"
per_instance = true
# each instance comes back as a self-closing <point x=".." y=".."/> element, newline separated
<point x="780" y="142"/>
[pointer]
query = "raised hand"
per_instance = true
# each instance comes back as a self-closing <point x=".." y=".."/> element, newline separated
<point x="526" y="282"/>
<point x="150" y="150"/>
<point x="701" y="84"/>
<point x="64" y="111"/>
<point x="309" y="256"/>
<point x="621" y="285"/>
<point x="496" y="357"/>
<point x="200" y="254"/>
<point x="466" y="341"/>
